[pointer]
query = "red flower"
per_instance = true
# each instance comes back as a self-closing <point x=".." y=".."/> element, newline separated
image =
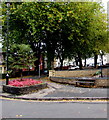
<point x="24" y="82"/>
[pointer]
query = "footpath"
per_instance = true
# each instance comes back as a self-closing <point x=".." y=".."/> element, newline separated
<point x="56" y="91"/>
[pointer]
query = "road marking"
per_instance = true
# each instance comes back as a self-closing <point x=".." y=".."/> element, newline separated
<point x="74" y="101"/>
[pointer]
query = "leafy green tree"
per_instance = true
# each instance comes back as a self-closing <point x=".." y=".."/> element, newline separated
<point x="99" y="32"/>
<point x="30" y="23"/>
<point x="21" y="57"/>
<point x="87" y="25"/>
<point x="57" y="29"/>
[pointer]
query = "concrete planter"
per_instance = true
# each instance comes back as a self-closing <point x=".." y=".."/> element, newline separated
<point x="23" y="90"/>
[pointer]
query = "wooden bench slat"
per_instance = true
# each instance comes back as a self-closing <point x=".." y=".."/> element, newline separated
<point x="84" y="82"/>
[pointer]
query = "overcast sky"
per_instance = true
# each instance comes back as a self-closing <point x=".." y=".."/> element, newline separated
<point x="105" y="4"/>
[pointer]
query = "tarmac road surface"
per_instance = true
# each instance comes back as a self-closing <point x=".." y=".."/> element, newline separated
<point x="33" y="109"/>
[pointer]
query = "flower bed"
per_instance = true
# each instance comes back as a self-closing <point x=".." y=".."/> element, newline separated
<point x="24" y="86"/>
<point x="24" y="82"/>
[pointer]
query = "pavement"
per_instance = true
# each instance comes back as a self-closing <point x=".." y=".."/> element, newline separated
<point x="57" y="91"/>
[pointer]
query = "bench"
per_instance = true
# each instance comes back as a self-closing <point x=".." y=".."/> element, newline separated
<point x="85" y="83"/>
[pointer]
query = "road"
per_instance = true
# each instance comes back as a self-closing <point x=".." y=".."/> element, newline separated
<point x="32" y="109"/>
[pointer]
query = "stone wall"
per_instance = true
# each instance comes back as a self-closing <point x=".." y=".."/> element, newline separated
<point x="69" y="77"/>
<point x="63" y="80"/>
<point x="102" y="83"/>
<point x="23" y="90"/>
<point x="77" y="73"/>
<point x="99" y="82"/>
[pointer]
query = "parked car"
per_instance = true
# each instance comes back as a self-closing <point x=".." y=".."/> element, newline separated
<point x="73" y="67"/>
<point x="107" y="64"/>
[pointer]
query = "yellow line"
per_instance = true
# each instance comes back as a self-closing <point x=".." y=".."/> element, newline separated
<point x="85" y="101"/>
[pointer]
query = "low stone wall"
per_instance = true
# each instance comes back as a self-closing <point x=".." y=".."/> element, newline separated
<point x="77" y="73"/>
<point x="23" y="90"/>
<point x="99" y="82"/>
<point x="102" y="82"/>
<point x="63" y="80"/>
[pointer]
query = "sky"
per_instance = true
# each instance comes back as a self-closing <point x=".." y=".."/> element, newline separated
<point x="105" y="3"/>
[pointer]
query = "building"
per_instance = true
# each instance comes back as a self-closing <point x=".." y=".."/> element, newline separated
<point x="89" y="61"/>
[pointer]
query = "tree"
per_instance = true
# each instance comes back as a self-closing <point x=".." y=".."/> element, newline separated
<point x="99" y="35"/>
<point x="35" y="26"/>
<point x="21" y="57"/>
<point x="66" y="29"/>
<point x="88" y="24"/>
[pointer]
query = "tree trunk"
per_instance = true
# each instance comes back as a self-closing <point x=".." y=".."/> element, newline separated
<point x="101" y="59"/>
<point x="21" y="74"/>
<point x="80" y="61"/>
<point x="61" y="66"/>
<point x="50" y="60"/>
<point x="76" y="60"/>
<point x="38" y="56"/>
<point x="95" y="60"/>
<point x="85" y="62"/>
<point x="52" y="65"/>
<point x="43" y="63"/>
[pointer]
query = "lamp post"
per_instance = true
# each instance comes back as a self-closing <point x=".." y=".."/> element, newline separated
<point x="101" y="62"/>
<point x="7" y="43"/>
<point x="39" y="70"/>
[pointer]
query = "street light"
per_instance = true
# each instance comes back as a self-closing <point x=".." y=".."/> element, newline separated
<point x="39" y="70"/>
<point x="7" y="43"/>
<point x="101" y="53"/>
